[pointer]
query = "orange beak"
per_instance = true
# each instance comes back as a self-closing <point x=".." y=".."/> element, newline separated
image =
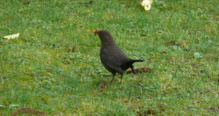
<point x="95" y="32"/>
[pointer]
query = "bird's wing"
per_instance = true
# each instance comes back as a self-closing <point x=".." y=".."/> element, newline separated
<point x="113" y="58"/>
<point x="110" y="63"/>
<point x="114" y="67"/>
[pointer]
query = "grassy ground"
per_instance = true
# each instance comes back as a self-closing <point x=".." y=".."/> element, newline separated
<point x="54" y="65"/>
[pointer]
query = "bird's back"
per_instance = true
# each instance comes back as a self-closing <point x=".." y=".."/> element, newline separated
<point x="112" y="57"/>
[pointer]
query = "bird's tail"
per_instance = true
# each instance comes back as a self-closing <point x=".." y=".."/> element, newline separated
<point x="133" y="61"/>
<point x="138" y="60"/>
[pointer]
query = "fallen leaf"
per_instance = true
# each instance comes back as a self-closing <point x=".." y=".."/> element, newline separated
<point x="12" y="36"/>
<point x="103" y="85"/>
<point x="146" y="4"/>
<point x="140" y="70"/>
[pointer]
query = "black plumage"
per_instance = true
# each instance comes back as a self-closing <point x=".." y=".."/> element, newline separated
<point x="112" y="57"/>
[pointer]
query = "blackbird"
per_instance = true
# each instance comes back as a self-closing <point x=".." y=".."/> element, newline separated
<point x="112" y="57"/>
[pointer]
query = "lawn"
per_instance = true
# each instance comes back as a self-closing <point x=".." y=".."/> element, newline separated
<point x="54" y="64"/>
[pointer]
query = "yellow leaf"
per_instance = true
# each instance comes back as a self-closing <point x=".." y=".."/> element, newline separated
<point x="12" y="36"/>
<point x="146" y="4"/>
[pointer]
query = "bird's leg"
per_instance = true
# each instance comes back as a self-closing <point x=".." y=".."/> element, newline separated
<point x="133" y="70"/>
<point x="112" y="79"/>
<point x="121" y="77"/>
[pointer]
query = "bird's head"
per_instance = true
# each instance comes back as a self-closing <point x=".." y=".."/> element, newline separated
<point x="95" y="32"/>
<point x="104" y="35"/>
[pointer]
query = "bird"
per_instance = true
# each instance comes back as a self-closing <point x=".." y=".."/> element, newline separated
<point x="112" y="57"/>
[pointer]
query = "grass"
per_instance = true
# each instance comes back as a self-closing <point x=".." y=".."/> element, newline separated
<point x="54" y="65"/>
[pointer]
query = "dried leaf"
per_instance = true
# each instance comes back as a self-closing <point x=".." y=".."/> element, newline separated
<point x="146" y="4"/>
<point x="140" y="70"/>
<point x="12" y="36"/>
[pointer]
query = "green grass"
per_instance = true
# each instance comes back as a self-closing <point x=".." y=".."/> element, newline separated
<point x="54" y="65"/>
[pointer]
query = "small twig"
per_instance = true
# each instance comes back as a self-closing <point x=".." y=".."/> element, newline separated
<point x="28" y="74"/>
